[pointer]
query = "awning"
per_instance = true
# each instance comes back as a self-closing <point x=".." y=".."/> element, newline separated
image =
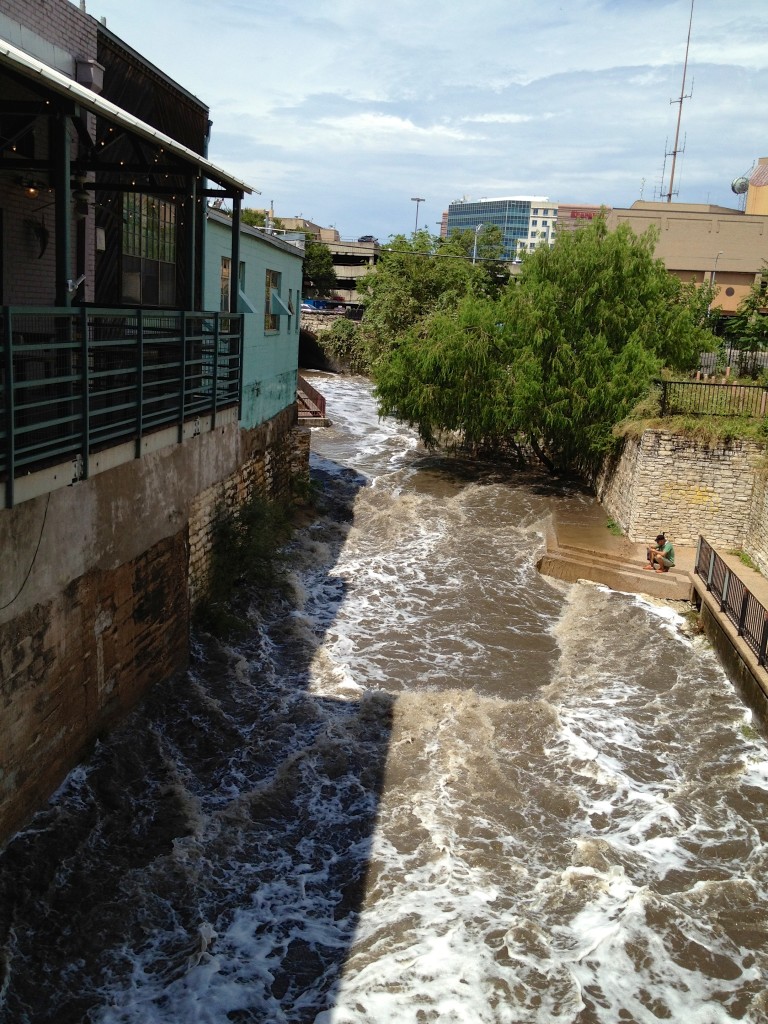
<point x="277" y="307"/>
<point x="22" y="63"/>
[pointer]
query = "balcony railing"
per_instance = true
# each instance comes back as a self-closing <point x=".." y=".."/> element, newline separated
<point x="73" y="382"/>
<point x="738" y="603"/>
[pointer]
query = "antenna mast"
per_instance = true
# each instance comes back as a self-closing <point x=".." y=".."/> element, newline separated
<point x="680" y="110"/>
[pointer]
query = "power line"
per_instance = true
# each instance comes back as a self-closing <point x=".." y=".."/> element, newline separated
<point x="445" y="255"/>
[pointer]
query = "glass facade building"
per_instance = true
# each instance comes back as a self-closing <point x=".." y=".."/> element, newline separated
<point x="525" y="221"/>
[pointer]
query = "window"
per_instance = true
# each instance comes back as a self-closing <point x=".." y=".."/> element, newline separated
<point x="272" y="284"/>
<point x="148" y="251"/>
<point x="535" y="223"/>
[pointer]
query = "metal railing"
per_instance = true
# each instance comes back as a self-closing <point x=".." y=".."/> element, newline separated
<point x="77" y="381"/>
<point x="312" y="394"/>
<point x="742" y="361"/>
<point x="703" y="398"/>
<point x="738" y="603"/>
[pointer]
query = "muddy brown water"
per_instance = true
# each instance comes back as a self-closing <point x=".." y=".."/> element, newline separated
<point x="428" y="785"/>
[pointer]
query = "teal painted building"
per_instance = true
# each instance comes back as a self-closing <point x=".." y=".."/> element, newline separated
<point x="269" y="296"/>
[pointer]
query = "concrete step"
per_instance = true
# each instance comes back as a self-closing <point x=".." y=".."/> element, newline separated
<point x="626" y="556"/>
<point x="574" y="565"/>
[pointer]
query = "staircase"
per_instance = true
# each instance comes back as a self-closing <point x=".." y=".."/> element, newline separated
<point x="311" y="405"/>
<point x="623" y="572"/>
<point x="579" y="546"/>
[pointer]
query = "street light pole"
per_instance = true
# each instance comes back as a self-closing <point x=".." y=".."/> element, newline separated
<point x="474" y="247"/>
<point x="417" y="200"/>
<point x="712" y="281"/>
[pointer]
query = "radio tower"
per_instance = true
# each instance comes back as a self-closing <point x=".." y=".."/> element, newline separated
<point x="679" y="101"/>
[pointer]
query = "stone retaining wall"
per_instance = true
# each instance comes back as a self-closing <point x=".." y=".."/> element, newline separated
<point x="666" y="482"/>
<point x="276" y="453"/>
<point x="756" y="541"/>
<point x="96" y="592"/>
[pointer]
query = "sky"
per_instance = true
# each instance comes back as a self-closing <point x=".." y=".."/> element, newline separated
<point x="345" y="111"/>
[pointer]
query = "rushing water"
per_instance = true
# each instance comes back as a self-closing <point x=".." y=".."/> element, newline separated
<point x="430" y="786"/>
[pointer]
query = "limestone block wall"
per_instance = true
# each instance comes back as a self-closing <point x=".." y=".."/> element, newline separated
<point x="756" y="542"/>
<point x="666" y="482"/>
<point x="95" y="594"/>
<point x="276" y="454"/>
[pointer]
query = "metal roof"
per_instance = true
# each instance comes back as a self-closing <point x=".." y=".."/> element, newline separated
<point x="24" y="64"/>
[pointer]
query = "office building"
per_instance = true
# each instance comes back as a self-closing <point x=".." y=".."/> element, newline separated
<point x="526" y="222"/>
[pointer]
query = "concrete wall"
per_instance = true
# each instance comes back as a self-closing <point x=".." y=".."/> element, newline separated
<point x="95" y="595"/>
<point x="737" y="658"/>
<point x="704" y="243"/>
<point x="667" y="482"/>
<point x="756" y="541"/>
<point x="274" y="456"/>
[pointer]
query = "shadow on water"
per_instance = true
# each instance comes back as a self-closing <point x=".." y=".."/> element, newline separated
<point x="208" y="862"/>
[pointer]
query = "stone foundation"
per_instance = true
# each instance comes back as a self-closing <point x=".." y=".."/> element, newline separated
<point x="96" y="590"/>
<point x="665" y="482"/>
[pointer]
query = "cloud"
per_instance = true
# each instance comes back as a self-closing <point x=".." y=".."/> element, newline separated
<point x="504" y="118"/>
<point x="344" y="109"/>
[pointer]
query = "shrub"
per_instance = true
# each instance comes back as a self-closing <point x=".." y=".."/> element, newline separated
<point x="247" y="562"/>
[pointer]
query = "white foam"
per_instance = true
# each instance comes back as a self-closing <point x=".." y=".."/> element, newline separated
<point x="571" y="824"/>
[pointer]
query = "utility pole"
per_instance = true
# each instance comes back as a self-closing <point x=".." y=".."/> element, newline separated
<point x="679" y="111"/>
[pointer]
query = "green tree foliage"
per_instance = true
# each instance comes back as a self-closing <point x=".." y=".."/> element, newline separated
<point x="256" y="218"/>
<point x="253" y="218"/>
<point x="450" y="375"/>
<point x="319" y="273"/>
<point x="490" y="243"/>
<point x="415" y="277"/>
<point x="558" y="359"/>
<point x="342" y="343"/>
<point x="748" y="329"/>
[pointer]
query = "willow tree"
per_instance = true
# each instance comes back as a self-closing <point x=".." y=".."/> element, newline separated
<point x="449" y="374"/>
<point x="414" y="278"/>
<point x="560" y="358"/>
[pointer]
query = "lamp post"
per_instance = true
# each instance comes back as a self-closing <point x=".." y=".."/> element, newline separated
<point x="474" y="247"/>
<point x="417" y="200"/>
<point x="712" y="281"/>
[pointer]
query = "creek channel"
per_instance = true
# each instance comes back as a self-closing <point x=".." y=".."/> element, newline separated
<point x="429" y="785"/>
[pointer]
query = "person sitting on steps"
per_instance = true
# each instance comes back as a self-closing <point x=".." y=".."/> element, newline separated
<point x="662" y="557"/>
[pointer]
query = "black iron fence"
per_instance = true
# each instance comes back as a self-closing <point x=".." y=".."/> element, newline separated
<point x="703" y="398"/>
<point x="737" y="602"/>
<point x="741" y="361"/>
<point x="77" y="381"/>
